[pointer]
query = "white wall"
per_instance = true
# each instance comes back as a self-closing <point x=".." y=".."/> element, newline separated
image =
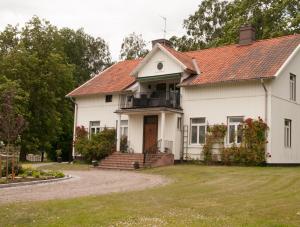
<point x="94" y="108"/>
<point x="217" y="102"/>
<point x="283" y="108"/>
<point x="150" y="69"/>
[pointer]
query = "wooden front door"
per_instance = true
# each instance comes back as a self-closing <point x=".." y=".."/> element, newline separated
<point x="150" y="134"/>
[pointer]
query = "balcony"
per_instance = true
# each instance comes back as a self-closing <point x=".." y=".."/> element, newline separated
<point x="151" y="99"/>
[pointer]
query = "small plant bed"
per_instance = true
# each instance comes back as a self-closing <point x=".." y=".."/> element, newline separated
<point x="30" y="174"/>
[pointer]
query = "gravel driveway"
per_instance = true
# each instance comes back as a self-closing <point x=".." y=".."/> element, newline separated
<point x="83" y="183"/>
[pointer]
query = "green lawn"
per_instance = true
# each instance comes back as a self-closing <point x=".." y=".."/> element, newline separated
<point x="198" y="196"/>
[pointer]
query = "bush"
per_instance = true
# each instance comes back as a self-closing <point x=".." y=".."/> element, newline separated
<point x="98" y="146"/>
<point x="252" y="150"/>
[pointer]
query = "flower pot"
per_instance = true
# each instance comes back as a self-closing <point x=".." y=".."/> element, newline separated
<point x="95" y="163"/>
<point x="59" y="159"/>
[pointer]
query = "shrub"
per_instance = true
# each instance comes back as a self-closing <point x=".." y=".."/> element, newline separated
<point x="98" y="146"/>
<point x="252" y="150"/>
<point x="215" y="135"/>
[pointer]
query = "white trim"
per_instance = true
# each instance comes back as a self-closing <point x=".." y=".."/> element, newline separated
<point x="68" y="95"/>
<point x="293" y="54"/>
<point x="149" y="55"/>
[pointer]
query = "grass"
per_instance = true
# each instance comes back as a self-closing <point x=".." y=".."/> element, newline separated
<point x="198" y="196"/>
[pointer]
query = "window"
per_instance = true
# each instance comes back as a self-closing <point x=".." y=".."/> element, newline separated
<point x="287" y="133"/>
<point x="292" y="87"/>
<point x="179" y="123"/>
<point x="160" y="65"/>
<point x="124" y="127"/>
<point x="198" y="130"/>
<point x="234" y="133"/>
<point x="108" y="98"/>
<point x="94" y="127"/>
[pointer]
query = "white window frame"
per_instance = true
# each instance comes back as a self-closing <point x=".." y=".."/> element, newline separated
<point x="124" y="128"/>
<point x="287" y="133"/>
<point x="293" y="87"/>
<point x="235" y="125"/>
<point x="198" y="125"/>
<point x="94" y="129"/>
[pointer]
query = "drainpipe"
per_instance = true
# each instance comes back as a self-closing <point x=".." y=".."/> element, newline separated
<point x="266" y="113"/>
<point x="74" y="126"/>
<point x="266" y="99"/>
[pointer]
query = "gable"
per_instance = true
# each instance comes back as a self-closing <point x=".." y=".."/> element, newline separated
<point x="170" y="66"/>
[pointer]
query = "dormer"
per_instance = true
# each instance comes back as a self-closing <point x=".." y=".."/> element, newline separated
<point x="163" y="61"/>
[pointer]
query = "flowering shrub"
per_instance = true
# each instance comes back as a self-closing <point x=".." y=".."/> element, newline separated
<point x="98" y="146"/>
<point x="252" y="151"/>
<point x="215" y="134"/>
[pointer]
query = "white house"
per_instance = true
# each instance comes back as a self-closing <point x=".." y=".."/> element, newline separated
<point x="167" y="99"/>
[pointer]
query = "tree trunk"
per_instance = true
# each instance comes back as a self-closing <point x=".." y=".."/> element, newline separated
<point x="0" y="166"/>
<point x="7" y="149"/>
<point x="42" y="158"/>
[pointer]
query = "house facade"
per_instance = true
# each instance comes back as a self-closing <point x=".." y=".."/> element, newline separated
<point x="165" y="101"/>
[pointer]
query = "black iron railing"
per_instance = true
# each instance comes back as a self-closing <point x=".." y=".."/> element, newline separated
<point x="151" y="99"/>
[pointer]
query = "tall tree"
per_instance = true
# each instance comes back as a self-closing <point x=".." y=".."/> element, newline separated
<point x="89" y="55"/>
<point x="133" y="47"/>
<point x="217" y="22"/>
<point x="48" y="64"/>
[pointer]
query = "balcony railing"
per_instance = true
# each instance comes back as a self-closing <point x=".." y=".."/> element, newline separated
<point x="151" y="99"/>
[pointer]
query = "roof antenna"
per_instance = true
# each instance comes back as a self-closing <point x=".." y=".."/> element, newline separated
<point x="165" y="26"/>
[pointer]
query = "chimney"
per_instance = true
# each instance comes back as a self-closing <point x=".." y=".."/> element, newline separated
<point x="163" y="42"/>
<point x="247" y="35"/>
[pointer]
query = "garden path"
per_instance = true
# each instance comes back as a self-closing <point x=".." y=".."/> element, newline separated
<point x="83" y="183"/>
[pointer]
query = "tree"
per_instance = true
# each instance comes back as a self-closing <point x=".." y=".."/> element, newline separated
<point x="133" y="47"/>
<point x="89" y="55"/>
<point x="217" y="22"/>
<point x="12" y="122"/>
<point x="48" y="63"/>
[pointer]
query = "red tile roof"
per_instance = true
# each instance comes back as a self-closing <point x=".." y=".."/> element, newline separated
<point x="114" y="79"/>
<point x="262" y="59"/>
<point x="182" y="57"/>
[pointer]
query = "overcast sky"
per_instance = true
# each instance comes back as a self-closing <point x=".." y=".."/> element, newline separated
<point x="110" y="19"/>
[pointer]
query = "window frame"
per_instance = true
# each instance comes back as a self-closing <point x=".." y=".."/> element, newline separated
<point x="287" y="133"/>
<point x="179" y="123"/>
<point x="236" y="128"/>
<point x="198" y="126"/>
<point x="293" y="87"/>
<point x="108" y="98"/>
<point x="96" y="128"/>
<point x="124" y="128"/>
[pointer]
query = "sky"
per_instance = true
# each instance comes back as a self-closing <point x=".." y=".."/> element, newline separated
<point x="111" y="20"/>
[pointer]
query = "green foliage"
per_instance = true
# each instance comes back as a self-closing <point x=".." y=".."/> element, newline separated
<point x="32" y="172"/>
<point x="217" y="22"/>
<point x="98" y="146"/>
<point x="48" y="63"/>
<point x="252" y="150"/>
<point x="215" y="135"/>
<point x="133" y="47"/>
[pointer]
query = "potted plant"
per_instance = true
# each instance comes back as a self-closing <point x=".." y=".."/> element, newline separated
<point x="58" y="155"/>
<point x="95" y="163"/>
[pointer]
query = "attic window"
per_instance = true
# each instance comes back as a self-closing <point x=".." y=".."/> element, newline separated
<point x="160" y="65"/>
<point x="108" y="98"/>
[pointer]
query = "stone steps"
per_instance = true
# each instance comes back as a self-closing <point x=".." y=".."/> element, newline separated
<point x="125" y="161"/>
